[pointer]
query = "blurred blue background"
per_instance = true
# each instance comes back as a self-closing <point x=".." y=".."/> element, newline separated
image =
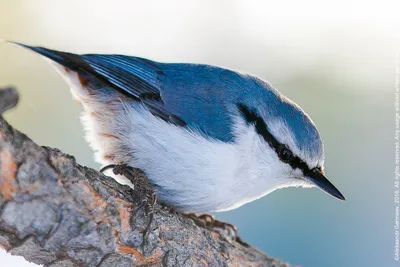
<point x="337" y="61"/>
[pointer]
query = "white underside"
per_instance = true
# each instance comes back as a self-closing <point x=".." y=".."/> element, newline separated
<point x="192" y="173"/>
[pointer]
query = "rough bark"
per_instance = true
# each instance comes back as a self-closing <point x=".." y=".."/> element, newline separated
<point x="55" y="212"/>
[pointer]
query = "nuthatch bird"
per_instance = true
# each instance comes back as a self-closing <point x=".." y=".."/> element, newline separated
<point x="208" y="138"/>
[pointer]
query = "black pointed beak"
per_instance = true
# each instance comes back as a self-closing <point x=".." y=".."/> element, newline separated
<point x="317" y="178"/>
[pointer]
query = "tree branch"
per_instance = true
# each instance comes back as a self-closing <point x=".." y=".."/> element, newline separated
<point x="55" y="212"/>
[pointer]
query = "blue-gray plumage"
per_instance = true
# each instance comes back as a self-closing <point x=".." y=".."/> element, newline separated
<point x="242" y="114"/>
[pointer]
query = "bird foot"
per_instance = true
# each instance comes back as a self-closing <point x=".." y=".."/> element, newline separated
<point x="143" y="191"/>
<point x="208" y="222"/>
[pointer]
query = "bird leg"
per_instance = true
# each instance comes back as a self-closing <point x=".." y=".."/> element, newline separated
<point x="143" y="190"/>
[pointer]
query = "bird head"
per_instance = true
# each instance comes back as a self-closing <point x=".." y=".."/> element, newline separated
<point x="289" y="138"/>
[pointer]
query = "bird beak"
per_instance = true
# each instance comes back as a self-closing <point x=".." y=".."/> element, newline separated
<point x="317" y="178"/>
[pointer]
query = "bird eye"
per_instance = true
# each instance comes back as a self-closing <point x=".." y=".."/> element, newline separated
<point x="285" y="154"/>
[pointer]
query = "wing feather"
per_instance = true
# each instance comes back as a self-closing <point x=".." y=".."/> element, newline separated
<point x="133" y="76"/>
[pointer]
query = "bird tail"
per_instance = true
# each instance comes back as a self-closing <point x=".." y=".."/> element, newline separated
<point x="71" y="62"/>
<point x="131" y="76"/>
<point x="72" y="68"/>
<point x="68" y="60"/>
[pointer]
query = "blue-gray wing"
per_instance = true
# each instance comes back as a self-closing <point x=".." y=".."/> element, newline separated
<point x="188" y="95"/>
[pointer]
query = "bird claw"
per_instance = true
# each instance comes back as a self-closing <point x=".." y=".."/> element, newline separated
<point x="142" y="191"/>
<point x="208" y="222"/>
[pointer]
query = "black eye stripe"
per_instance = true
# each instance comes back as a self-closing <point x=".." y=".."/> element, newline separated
<point x="252" y="117"/>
